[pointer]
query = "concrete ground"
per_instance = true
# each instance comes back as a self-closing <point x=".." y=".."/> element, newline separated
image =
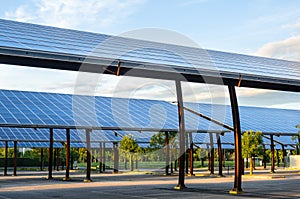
<point x="283" y="184"/>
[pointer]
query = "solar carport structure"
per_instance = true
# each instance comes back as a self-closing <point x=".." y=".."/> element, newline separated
<point x="23" y="107"/>
<point x="54" y="48"/>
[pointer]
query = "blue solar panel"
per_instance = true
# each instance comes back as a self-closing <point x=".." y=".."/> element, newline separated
<point x="252" y="118"/>
<point x="31" y="145"/>
<point x="30" y="37"/>
<point x="19" y="107"/>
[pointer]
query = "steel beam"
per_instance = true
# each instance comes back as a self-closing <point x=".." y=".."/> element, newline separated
<point x="208" y="157"/>
<point x="116" y="157"/>
<point x="167" y="154"/>
<point x="50" y="155"/>
<point x="265" y="158"/>
<point x="88" y="155"/>
<point x="15" y="158"/>
<point x="187" y="154"/>
<point x="56" y="158"/>
<point x="42" y="159"/>
<point x="191" y="154"/>
<point x="104" y="157"/>
<point x="212" y="154"/>
<point x="100" y="157"/>
<point x="273" y="155"/>
<point x="181" y="176"/>
<point x="68" y="143"/>
<point x="5" y="158"/>
<point x="298" y="144"/>
<point x="284" y="155"/>
<point x="220" y="154"/>
<point x="237" y="141"/>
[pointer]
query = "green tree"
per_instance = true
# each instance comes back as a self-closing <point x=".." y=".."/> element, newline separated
<point x="252" y="145"/>
<point x="295" y="138"/>
<point x="129" y="145"/>
<point x="158" y="141"/>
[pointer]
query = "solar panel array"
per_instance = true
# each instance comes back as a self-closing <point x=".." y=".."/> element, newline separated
<point x="30" y="37"/>
<point x="31" y="144"/>
<point x="20" y="107"/>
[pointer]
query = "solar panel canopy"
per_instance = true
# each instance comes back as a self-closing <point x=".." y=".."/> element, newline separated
<point x="50" y="47"/>
<point x="23" y="107"/>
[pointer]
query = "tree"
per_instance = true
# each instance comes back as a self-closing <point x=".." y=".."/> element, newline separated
<point x="252" y="145"/>
<point x="296" y="139"/>
<point x="129" y="145"/>
<point x="158" y="141"/>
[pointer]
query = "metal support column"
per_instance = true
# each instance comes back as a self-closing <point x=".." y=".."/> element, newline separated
<point x="116" y="157"/>
<point x="237" y="141"/>
<point x="15" y="158"/>
<point x="273" y="155"/>
<point x="191" y="154"/>
<point x="42" y="159"/>
<point x="265" y="158"/>
<point x="104" y="157"/>
<point x="278" y="159"/>
<point x="220" y="154"/>
<point x="5" y="158"/>
<point x="298" y="144"/>
<point x="181" y="176"/>
<point x="167" y="154"/>
<point x="56" y="157"/>
<point x="67" y="177"/>
<point x="284" y="155"/>
<point x="212" y="154"/>
<point x="208" y="157"/>
<point x="187" y="154"/>
<point x="100" y="158"/>
<point x="50" y="155"/>
<point x="88" y="155"/>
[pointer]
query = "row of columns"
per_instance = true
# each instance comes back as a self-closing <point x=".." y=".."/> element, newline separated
<point x="239" y="168"/>
<point x="55" y="155"/>
<point x="237" y="138"/>
<point x="68" y="154"/>
<point x="15" y="158"/>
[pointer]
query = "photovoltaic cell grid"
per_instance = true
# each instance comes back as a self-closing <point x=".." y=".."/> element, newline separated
<point x="255" y="118"/>
<point x="31" y="144"/>
<point x="252" y="118"/>
<point x="38" y="38"/>
<point x="19" y="107"/>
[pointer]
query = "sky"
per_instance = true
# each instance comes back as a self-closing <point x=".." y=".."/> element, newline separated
<point x="269" y="28"/>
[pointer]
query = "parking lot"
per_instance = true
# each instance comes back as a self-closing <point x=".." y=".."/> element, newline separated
<point x="283" y="184"/>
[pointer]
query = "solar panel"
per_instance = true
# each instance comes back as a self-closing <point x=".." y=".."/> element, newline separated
<point x="31" y="145"/>
<point x="20" y="107"/>
<point x="252" y="118"/>
<point x="71" y="46"/>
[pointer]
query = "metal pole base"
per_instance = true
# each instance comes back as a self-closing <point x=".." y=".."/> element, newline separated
<point x="180" y="187"/>
<point x="235" y="191"/>
<point x="66" y="179"/>
<point x="87" y="180"/>
<point x="49" y="178"/>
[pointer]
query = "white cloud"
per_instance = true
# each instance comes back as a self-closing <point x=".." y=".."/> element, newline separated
<point x="74" y="13"/>
<point x="286" y="49"/>
<point x="292" y="25"/>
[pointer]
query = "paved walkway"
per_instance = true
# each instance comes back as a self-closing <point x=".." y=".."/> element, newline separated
<point x="283" y="184"/>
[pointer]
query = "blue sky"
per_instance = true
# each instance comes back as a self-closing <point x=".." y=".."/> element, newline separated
<point x="258" y="27"/>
